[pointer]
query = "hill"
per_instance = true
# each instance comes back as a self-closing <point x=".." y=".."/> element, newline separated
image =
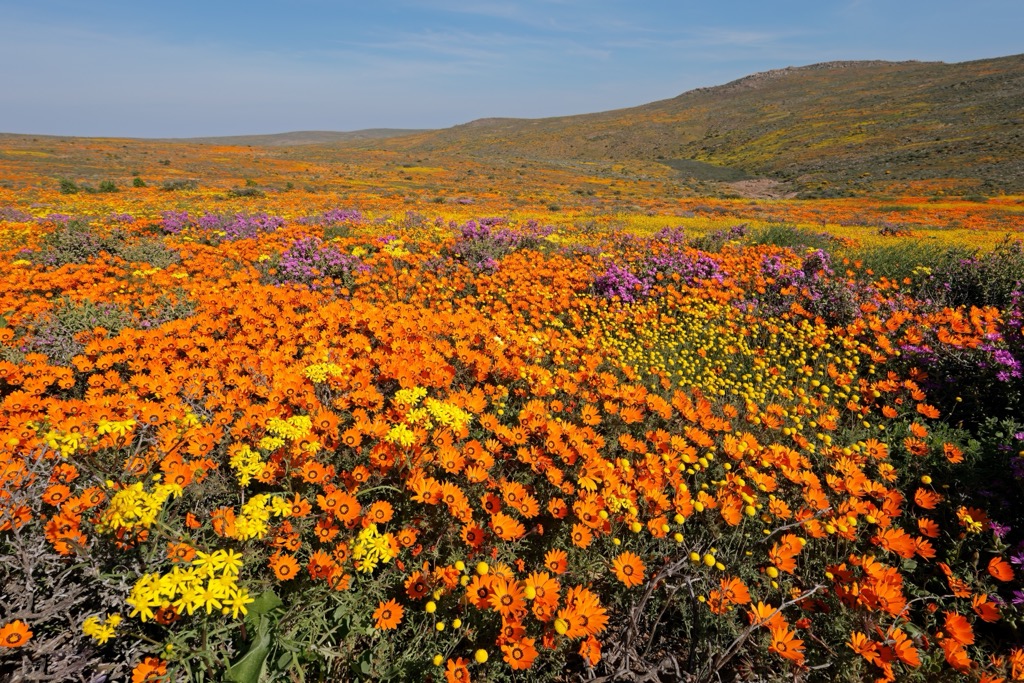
<point x="299" y="137"/>
<point x="831" y="128"/>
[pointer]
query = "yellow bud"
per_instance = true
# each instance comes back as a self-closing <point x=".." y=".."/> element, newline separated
<point x="678" y="519"/>
<point x="482" y="568"/>
<point x="926" y="480"/>
<point x="772" y="572"/>
<point x="709" y="560"/>
<point x="438" y="660"/>
<point x="464" y="580"/>
<point x="460" y="565"/>
<point x="456" y="623"/>
<point x="561" y="626"/>
<point x="719" y="566"/>
<point x="698" y="506"/>
<point x="439" y="626"/>
<point x="616" y="541"/>
<point x="480" y="656"/>
<point x="635" y="527"/>
<point x="665" y="528"/>
<point x="695" y="557"/>
<point x="750" y="511"/>
<point x="431" y="607"/>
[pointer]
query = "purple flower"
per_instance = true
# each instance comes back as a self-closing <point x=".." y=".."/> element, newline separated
<point x="998" y="529"/>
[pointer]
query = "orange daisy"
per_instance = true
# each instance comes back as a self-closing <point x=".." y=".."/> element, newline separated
<point x="786" y="644"/>
<point x="520" y="654"/>
<point x="629" y="569"/>
<point x="507" y="597"/>
<point x="15" y="634"/>
<point x="457" y="671"/>
<point x="388" y="615"/>
<point x="285" y="566"/>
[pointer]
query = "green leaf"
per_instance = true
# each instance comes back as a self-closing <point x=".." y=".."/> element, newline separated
<point x="266" y="602"/>
<point x="250" y="667"/>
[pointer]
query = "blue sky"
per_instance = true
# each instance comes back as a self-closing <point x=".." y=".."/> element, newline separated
<point x="188" y="68"/>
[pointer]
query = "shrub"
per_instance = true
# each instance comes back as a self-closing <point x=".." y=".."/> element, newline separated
<point x="247" y="192"/>
<point x="715" y="240"/>
<point x="75" y="241"/>
<point x="308" y="260"/>
<point x="482" y="244"/>
<point x="791" y="237"/>
<point x="149" y="250"/>
<point x="179" y="184"/>
<point x="68" y="186"/>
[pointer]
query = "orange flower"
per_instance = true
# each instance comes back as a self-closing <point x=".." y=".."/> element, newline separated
<point x="904" y="648"/>
<point x="735" y="591"/>
<point x="959" y="629"/>
<point x="416" y="586"/>
<point x="457" y="671"/>
<point x="507" y="597"/>
<point x="556" y="561"/>
<point x="506" y="528"/>
<point x="952" y="453"/>
<point x="380" y="512"/>
<point x="926" y="499"/>
<point x="927" y="527"/>
<point x="1000" y="569"/>
<point x="956" y="655"/>
<point x="590" y="650"/>
<point x="629" y="569"/>
<point x="388" y="615"/>
<point x="985" y="609"/>
<point x="762" y="613"/>
<point x="520" y="654"/>
<point x="581" y="536"/>
<point x="783" y="554"/>
<point x="583" y="614"/>
<point x="786" y="644"/>
<point x="864" y="646"/>
<point x="545" y="587"/>
<point x="285" y="566"/>
<point x="149" y="669"/>
<point x="15" y="634"/>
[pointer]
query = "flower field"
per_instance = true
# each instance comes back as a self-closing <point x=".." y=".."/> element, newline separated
<point x="298" y="436"/>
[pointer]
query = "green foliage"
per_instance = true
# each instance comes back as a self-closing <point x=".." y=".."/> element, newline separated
<point x="68" y="186"/>
<point x="247" y="191"/>
<point x="179" y="185"/>
<point x="57" y="333"/>
<point x="906" y="259"/>
<point x="792" y="237"/>
<point x="149" y="250"/>
<point x="75" y="241"/>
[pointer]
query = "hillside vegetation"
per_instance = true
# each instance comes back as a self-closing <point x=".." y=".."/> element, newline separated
<point x="832" y="128"/>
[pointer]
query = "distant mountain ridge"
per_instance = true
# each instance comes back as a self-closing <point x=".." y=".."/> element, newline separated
<point x="300" y="137"/>
<point x="830" y="128"/>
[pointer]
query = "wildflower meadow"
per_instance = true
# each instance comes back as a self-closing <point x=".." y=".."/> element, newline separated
<point x="263" y="433"/>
